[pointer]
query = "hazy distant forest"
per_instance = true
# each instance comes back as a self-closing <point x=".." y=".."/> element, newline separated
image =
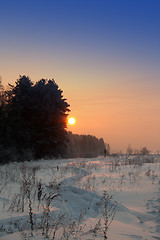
<point x="33" y="124"/>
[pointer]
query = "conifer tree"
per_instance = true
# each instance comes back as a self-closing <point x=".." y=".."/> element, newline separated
<point x="35" y="117"/>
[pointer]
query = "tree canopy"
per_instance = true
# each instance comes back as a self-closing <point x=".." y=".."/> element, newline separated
<point x="34" y="117"/>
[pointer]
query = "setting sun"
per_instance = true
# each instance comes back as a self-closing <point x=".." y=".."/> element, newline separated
<point x="71" y="121"/>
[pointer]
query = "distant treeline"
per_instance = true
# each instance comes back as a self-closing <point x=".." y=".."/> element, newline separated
<point x="84" y="146"/>
<point x="33" y="124"/>
<point x="142" y="151"/>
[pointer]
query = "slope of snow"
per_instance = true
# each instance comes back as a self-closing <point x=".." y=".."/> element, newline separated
<point x="64" y="199"/>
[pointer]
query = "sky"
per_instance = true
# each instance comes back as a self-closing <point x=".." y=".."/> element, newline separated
<point x="103" y="54"/>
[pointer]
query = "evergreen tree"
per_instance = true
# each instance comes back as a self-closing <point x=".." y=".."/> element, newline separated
<point x="35" y="117"/>
<point x="49" y="119"/>
<point x="2" y="111"/>
<point x="18" y="111"/>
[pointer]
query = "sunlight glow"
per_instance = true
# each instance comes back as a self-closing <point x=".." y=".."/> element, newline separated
<point x="71" y="121"/>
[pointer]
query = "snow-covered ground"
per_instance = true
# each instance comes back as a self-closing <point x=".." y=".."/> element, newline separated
<point x="115" y="198"/>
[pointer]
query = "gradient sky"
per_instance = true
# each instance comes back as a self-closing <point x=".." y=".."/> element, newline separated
<point x="104" y="55"/>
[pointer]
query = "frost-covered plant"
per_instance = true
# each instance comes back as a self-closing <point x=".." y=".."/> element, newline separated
<point x="122" y="178"/>
<point x="73" y="229"/>
<point x="95" y="230"/>
<point x="45" y="223"/>
<point x="107" y="209"/>
<point x="151" y="173"/>
<point x="30" y="209"/>
<point x="89" y="184"/>
<point x="56" y="224"/>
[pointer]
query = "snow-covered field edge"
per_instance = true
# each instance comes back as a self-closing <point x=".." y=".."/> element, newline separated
<point x="115" y="198"/>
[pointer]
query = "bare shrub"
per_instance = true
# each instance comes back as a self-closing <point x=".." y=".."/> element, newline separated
<point x="107" y="209"/>
<point x="45" y="220"/>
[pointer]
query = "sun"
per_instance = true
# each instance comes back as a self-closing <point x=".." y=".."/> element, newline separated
<point x="71" y="120"/>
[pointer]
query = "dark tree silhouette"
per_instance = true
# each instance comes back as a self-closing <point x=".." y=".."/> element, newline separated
<point x="144" y="151"/>
<point x="2" y="111"/>
<point x="84" y="146"/>
<point x="50" y="111"/>
<point x="17" y="109"/>
<point x="35" y="118"/>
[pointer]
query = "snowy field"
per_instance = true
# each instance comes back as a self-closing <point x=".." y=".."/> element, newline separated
<point x="117" y="198"/>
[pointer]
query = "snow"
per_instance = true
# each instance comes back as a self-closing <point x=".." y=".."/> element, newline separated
<point x="64" y="199"/>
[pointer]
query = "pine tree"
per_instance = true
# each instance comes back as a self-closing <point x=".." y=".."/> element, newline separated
<point x="18" y="111"/>
<point x="36" y="117"/>
<point x="49" y="119"/>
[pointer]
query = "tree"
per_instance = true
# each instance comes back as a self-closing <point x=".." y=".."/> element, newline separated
<point x="50" y="111"/>
<point x="18" y="114"/>
<point x="129" y="150"/>
<point x="2" y="111"/>
<point x="144" y="151"/>
<point x="36" y="117"/>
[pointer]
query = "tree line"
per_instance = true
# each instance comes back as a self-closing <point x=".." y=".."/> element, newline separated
<point x="84" y="146"/>
<point x="33" y="118"/>
<point x="33" y="123"/>
<point x="142" y="151"/>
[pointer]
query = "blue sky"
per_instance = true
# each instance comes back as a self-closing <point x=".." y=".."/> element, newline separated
<point x="126" y="26"/>
<point x="105" y="53"/>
